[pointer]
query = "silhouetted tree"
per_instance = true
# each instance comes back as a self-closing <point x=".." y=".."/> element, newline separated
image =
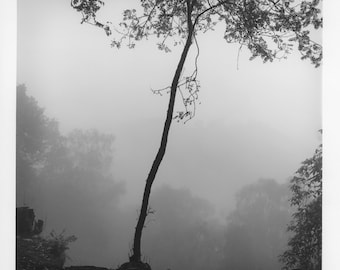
<point x="83" y="150"/>
<point x="267" y="28"/>
<point x="81" y="171"/>
<point x="256" y="233"/>
<point x="67" y="179"/>
<point x="36" y="135"/>
<point x="304" y="248"/>
<point x="80" y="190"/>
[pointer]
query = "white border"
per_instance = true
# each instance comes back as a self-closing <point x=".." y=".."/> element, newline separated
<point x="8" y="34"/>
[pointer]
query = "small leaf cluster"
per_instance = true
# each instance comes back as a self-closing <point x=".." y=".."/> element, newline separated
<point x="264" y="24"/>
<point x="308" y="48"/>
<point x="306" y="185"/>
<point x="162" y="19"/>
<point x="88" y="7"/>
<point x="189" y="88"/>
<point x="59" y="243"/>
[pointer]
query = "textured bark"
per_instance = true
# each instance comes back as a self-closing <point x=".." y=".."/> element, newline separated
<point x="136" y="257"/>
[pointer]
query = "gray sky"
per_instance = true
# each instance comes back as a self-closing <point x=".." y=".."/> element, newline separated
<point x="258" y="121"/>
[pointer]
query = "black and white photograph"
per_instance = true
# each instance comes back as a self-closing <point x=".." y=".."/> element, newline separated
<point x="168" y="135"/>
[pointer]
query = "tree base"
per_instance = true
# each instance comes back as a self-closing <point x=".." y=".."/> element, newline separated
<point x="134" y="266"/>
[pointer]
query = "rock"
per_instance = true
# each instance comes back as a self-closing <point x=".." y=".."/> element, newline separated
<point x="85" y="268"/>
<point x="26" y="224"/>
<point x="135" y="266"/>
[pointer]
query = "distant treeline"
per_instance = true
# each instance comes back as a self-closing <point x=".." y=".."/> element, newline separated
<point x="69" y="181"/>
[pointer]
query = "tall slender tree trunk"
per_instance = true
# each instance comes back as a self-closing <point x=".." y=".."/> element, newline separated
<point x="136" y="256"/>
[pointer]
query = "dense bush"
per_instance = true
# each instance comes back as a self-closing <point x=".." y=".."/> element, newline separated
<point x="37" y="252"/>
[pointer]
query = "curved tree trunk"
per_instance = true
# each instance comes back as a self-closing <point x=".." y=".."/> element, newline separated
<point x="136" y="256"/>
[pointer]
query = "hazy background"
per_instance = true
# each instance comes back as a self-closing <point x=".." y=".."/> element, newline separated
<point x="257" y="121"/>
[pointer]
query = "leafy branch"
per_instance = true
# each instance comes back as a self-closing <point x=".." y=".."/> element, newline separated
<point x="268" y="28"/>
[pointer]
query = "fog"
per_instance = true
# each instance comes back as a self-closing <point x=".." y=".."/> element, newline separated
<point x="255" y="121"/>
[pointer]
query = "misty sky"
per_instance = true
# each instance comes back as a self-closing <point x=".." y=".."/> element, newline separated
<point x="257" y="121"/>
